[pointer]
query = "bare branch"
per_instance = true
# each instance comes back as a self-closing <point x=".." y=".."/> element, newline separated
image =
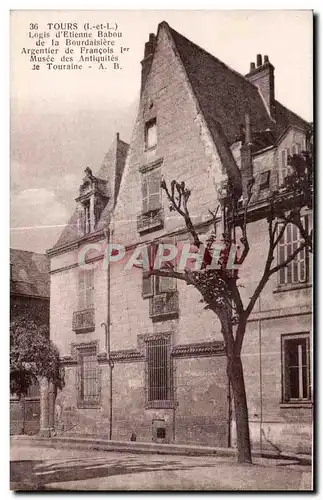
<point x="244" y="238"/>
<point x="214" y="220"/>
<point x="280" y="233"/>
<point x="289" y="259"/>
<point x="257" y="292"/>
<point x="236" y="296"/>
<point x="307" y="237"/>
<point x="181" y="206"/>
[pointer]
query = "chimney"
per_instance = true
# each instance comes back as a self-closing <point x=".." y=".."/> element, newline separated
<point x="147" y="60"/>
<point x="262" y="75"/>
<point x="246" y="158"/>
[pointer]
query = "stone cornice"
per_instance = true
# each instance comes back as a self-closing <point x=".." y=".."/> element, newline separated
<point x="126" y="355"/>
<point x="201" y="349"/>
<point x="151" y="166"/>
<point x="194" y="350"/>
<point x="77" y="243"/>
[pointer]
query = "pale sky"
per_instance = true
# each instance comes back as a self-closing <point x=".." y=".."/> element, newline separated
<point x="64" y="121"/>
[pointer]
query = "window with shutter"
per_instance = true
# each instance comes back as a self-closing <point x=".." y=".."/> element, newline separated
<point x="86" y="289"/>
<point x="147" y="285"/>
<point x="151" y="191"/>
<point x="296" y="271"/>
<point x="165" y="284"/>
<point x="154" y="285"/>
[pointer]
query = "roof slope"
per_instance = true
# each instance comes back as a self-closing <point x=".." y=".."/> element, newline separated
<point x="285" y="117"/>
<point x="111" y="170"/>
<point x="30" y="273"/>
<point x="224" y="95"/>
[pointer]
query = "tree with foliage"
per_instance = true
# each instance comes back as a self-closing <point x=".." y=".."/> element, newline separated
<point x="32" y="356"/>
<point x="220" y="288"/>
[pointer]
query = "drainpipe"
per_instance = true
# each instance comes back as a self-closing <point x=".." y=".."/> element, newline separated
<point x="260" y="378"/>
<point x="107" y="339"/>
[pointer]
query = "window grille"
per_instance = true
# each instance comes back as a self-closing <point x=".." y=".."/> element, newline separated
<point x="160" y="383"/>
<point x="296" y="270"/>
<point x="89" y="379"/>
<point x="296" y="367"/>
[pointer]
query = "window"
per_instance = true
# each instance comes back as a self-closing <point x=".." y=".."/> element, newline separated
<point x="264" y="179"/>
<point x="285" y="153"/>
<point x="160" y="384"/>
<point x="296" y="271"/>
<point x="151" y="134"/>
<point x="155" y="285"/>
<point x="296" y="367"/>
<point x="87" y="217"/>
<point x="86" y="289"/>
<point x="88" y="377"/>
<point x="151" y="191"/>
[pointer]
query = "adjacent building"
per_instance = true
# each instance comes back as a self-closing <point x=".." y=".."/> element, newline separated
<point x="29" y="300"/>
<point x="142" y="349"/>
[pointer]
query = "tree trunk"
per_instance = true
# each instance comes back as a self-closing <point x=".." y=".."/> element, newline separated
<point x="235" y="374"/>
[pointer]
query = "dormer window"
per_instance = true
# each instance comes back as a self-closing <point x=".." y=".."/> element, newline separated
<point x="284" y="155"/>
<point x="91" y="202"/>
<point x="151" y="134"/>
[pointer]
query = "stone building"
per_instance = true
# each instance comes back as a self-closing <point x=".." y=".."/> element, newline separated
<point x="29" y="300"/>
<point x="158" y="364"/>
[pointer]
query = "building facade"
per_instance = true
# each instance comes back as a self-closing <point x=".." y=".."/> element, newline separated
<point x="29" y="301"/>
<point x="142" y="349"/>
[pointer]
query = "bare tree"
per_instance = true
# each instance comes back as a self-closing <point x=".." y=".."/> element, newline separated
<point x="219" y="287"/>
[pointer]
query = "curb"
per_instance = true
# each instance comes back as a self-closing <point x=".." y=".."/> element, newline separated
<point x="93" y="443"/>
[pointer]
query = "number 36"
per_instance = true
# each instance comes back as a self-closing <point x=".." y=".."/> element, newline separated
<point x="33" y="26"/>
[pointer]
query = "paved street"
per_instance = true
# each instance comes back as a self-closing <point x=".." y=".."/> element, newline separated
<point x="42" y="468"/>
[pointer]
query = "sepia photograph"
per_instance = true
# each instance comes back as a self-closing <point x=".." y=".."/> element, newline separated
<point x="161" y="250"/>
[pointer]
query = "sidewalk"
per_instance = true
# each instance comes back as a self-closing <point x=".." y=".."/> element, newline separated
<point x="48" y="468"/>
<point x="94" y="443"/>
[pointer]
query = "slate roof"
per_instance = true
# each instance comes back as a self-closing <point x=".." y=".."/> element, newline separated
<point x="110" y="170"/>
<point x="224" y="95"/>
<point x="29" y="274"/>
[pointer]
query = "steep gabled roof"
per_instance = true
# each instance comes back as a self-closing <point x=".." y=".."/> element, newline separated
<point x="224" y="95"/>
<point x="285" y="118"/>
<point x="29" y="274"/>
<point x="111" y="170"/>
